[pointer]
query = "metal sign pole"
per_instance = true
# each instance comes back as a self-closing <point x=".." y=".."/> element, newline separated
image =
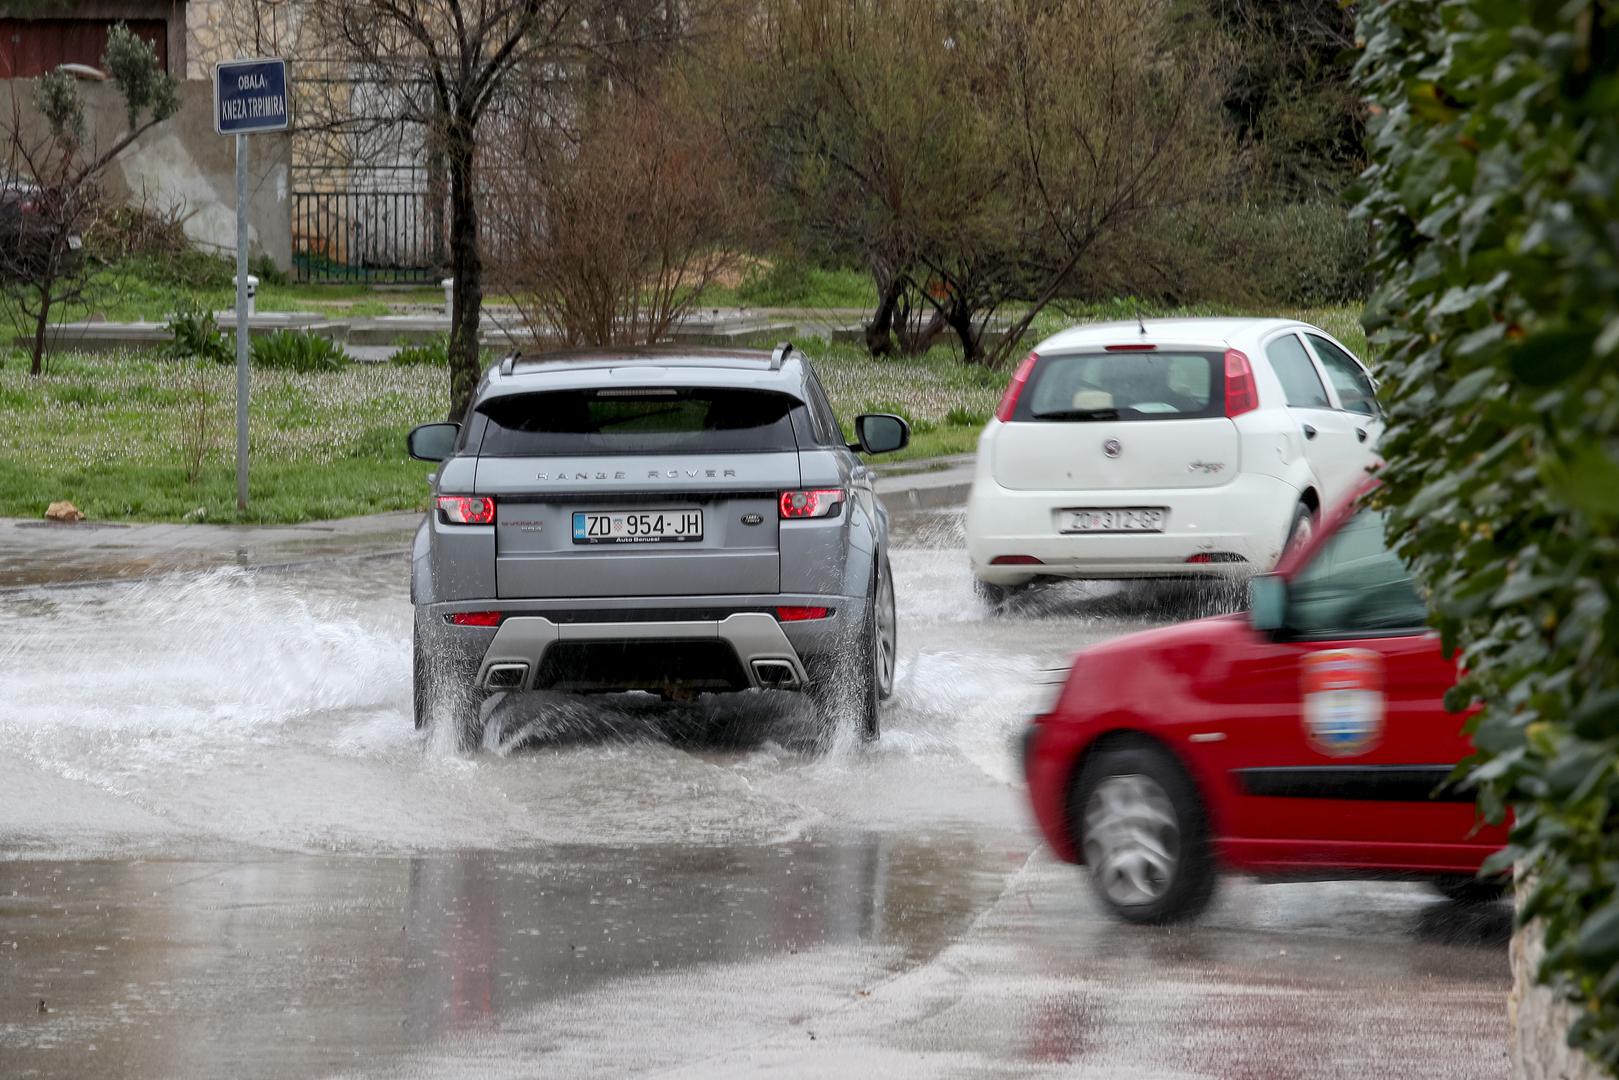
<point x="241" y="322"/>
<point x="249" y="95"/>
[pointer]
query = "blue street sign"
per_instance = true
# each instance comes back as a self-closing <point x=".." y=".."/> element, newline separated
<point x="249" y="96"/>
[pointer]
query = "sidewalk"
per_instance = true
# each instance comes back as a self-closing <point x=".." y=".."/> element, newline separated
<point x="45" y="553"/>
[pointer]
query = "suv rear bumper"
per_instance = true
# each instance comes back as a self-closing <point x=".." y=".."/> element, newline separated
<point x="768" y="653"/>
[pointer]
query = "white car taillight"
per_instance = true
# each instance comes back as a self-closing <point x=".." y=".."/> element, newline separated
<point x="1020" y="378"/>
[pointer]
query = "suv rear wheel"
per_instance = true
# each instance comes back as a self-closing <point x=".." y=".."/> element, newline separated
<point x="858" y="678"/>
<point x="887" y="630"/>
<point x="442" y="685"/>
<point x="1471" y="890"/>
<point x="1144" y="835"/>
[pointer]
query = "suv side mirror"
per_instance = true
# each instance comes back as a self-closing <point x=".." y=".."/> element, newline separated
<point x="881" y="433"/>
<point x="432" y="442"/>
<point x="1267" y="602"/>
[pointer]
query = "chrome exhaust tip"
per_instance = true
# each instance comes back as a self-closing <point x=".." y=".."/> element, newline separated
<point x="775" y="675"/>
<point x="505" y="677"/>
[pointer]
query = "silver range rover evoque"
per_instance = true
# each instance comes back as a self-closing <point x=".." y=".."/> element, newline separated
<point x="676" y="521"/>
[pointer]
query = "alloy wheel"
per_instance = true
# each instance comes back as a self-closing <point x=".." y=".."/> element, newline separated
<point x="887" y="634"/>
<point x="1132" y="839"/>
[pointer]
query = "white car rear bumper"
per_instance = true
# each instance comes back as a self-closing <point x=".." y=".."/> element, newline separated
<point x="1246" y="519"/>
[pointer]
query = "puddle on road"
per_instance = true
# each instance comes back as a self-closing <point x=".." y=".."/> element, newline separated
<point x="273" y="710"/>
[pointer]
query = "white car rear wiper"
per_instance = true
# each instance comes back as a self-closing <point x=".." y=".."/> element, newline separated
<point x="1077" y="414"/>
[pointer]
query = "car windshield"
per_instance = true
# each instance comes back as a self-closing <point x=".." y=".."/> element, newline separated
<point x="638" y="420"/>
<point x="1355" y="586"/>
<point x="1156" y="385"/>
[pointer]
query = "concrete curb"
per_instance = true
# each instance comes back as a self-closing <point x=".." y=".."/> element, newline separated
<point x="925" y="497"/>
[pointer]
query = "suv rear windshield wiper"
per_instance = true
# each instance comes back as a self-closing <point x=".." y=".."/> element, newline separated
<point x="1077" y="414"/>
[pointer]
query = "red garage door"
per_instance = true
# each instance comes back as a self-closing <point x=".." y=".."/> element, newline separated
<point x="31" y="47"/>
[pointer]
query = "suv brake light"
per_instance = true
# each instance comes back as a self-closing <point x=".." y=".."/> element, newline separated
<point x="1241" y="395"/>
<point x="466" y="510"/>
<point x="1020" y="378"/>
<point x="816" y="503"/>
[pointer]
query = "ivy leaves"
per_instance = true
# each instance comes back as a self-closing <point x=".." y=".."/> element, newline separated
<point x="1493" y="194"/>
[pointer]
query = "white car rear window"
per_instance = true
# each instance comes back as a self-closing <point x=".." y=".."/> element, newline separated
<point x="1156" y="385"/>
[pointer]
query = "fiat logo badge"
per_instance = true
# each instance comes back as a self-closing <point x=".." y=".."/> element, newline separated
<point x="1112" y="448"/>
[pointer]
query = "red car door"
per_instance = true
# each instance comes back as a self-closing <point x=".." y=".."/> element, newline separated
<point x="1336" y="742"/>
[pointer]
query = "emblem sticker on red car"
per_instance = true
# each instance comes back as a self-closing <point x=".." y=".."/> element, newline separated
<point x="1343" y="700"/>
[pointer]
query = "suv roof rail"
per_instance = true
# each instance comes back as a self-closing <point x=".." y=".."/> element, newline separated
<point x="779" y="354"/>
<point x="507" y="361"/>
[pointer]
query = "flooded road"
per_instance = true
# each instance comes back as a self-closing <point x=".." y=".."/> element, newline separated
<point x="225" y="851"/>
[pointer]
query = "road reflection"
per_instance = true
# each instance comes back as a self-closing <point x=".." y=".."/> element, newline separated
<point x="488" y="932"/>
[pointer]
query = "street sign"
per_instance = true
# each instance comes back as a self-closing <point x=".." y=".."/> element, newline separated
<point x="249" y="96"/>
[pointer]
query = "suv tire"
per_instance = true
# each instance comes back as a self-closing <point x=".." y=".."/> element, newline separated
<point x="852" y="681"/>
<point x="442" y="690"/>
<point x="1471" y="890"/>
<point x="1142" y="828"/>
<point x="887" y="633"/>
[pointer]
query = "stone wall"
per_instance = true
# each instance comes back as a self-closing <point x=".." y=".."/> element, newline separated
<point x="1539" y="1020"/>
<point x="183" y="163"/>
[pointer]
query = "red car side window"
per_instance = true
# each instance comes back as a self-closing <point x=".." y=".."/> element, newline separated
<point x="1355" y="587"/>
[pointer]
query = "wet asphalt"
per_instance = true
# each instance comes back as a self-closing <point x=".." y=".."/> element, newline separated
<point x="225" y="852"/>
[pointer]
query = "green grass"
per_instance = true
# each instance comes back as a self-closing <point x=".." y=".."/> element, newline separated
<point x="782" y="285"/>
<point x="145" y="289"/>
<point x="107" y="431"/>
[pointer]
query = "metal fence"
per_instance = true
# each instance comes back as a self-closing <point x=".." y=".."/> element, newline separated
<point x="372" y="236"/>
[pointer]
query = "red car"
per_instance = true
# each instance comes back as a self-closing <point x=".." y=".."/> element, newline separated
<point x="1305" y="739"/>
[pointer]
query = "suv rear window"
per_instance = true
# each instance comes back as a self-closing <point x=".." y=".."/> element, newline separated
<point x="638" y="420"/>
<point x="1157" y="385"/>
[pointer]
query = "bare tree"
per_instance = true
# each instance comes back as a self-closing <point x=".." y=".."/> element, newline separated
<point x="449" y="61"/>
<point x="51" y="191"/>
<point x="975" y="156"/>
<point x="1115" y="110"/>
<point x="611" y="227"/>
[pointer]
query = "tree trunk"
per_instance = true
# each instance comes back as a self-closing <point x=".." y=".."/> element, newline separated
<point x="880" y="331"/>
<point x="37" y="367"/>
<point x="466" y="267"/>
<point x="959" y="316"/>
<point x="435" y="208"/>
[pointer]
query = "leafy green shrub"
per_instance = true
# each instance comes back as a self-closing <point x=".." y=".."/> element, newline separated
<point x="189" y="269"/>
<point x="1307" y="253"/>
<point x="292" y="350"/>
<point x="264" y="268"/>
<point x="959" y="416"/>
<point x="790" y="282"/>
<point x="435" y="353"/>
<point x="920" y="425"/>
<point x="196" y="336"/>
<point x="1494" y="187"/>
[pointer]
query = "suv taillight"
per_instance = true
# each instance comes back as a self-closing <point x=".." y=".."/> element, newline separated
<point x="1008" y="405"/>
<point x="466" y="510"/>
<point x="818" y="503"/>
<point x="1241" y="395"/>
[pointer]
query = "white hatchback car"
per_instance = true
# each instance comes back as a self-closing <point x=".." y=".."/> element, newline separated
<point x="1167" y="448"/>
